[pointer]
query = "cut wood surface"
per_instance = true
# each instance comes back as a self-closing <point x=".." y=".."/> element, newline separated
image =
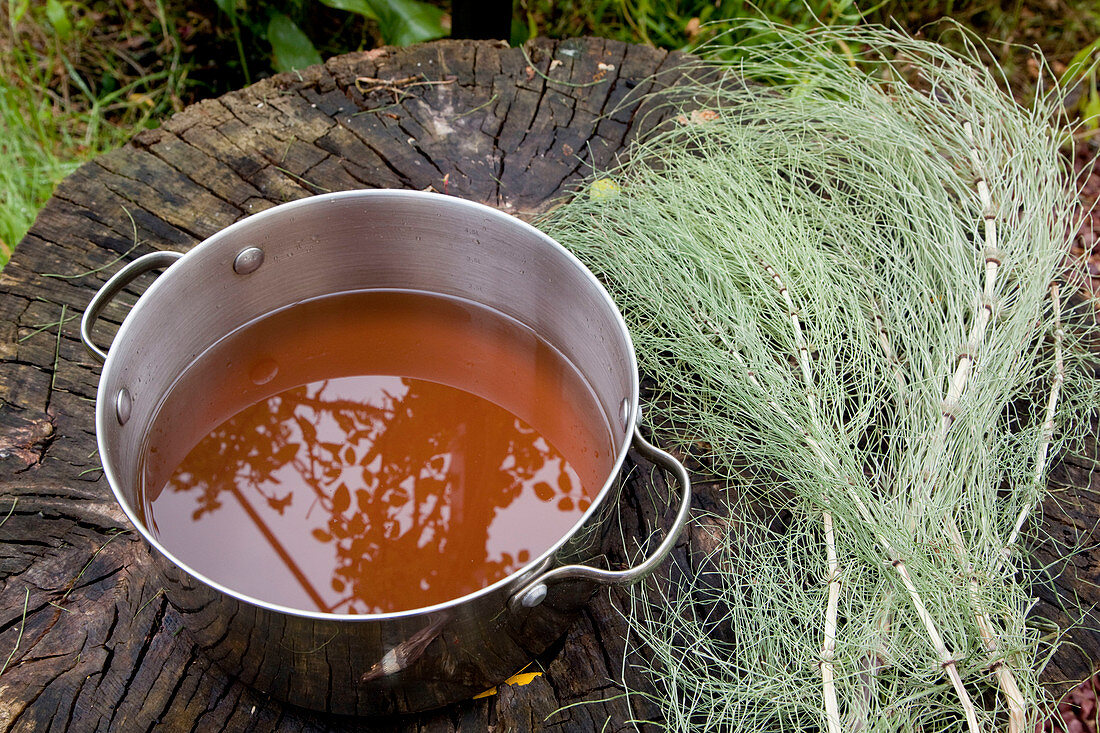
<point x="93" y="643"/>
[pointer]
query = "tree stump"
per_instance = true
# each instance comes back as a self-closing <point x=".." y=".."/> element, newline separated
<point x="93" y="643"/>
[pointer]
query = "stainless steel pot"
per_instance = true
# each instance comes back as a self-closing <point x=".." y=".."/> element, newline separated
<point x="396" y="662"/>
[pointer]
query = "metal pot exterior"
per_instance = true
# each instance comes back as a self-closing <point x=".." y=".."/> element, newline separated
<point x="370" y="667"/>
<point x="385" y="663"/>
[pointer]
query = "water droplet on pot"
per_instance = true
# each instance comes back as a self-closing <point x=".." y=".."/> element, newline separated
<point x="263" y="371"/>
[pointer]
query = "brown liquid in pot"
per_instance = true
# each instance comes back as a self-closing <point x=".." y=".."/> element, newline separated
<point x="372" y="452"/>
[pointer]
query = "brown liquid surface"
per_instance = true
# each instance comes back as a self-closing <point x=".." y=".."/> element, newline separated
<point x="372" y="452"/>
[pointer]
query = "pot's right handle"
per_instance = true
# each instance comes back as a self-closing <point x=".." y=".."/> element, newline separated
<point x="534" y="591"/>
<point x="122" y="278"/>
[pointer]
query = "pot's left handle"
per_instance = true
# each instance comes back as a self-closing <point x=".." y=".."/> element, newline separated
<point x="122" y="278"/>
<point x="534" y="591"/>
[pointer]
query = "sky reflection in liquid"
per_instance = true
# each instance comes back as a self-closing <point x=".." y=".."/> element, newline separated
<point x="367" y="494"/>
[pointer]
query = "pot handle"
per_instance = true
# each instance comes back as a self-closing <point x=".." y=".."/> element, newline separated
<point x="122" y="278"/>
<point x="533" y="592"/>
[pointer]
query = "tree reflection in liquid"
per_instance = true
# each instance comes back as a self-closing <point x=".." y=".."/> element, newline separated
<point x="367" y="494"/>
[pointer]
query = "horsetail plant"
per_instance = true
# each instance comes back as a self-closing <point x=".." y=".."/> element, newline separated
<point x="837" y="270"/>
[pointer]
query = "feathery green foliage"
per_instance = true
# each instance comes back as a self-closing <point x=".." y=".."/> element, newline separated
<point x="890" y="399"/>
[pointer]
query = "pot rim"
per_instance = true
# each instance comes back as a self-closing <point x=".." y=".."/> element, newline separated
<point x="536" y="564"/>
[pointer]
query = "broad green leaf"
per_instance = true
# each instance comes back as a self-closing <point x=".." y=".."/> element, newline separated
<point x="59" y="19"/>
<point x="1080" y="63"/>
<point x="292" y="48"/>
<point x="229" y="7"/>
<point x="1090" y="110"/>
<point x="401" y="22"/>
<point x="362" y="7"/>
<point x="16" y="11"/>
<point x="404" y="22"/>
<point x="520" y="33"/>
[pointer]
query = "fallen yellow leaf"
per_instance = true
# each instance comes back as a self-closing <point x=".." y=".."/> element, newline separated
<point x="519" y="679"/>
<point x="140" y="98"/>
<point x="603" y="188"/>
<point x="522" y="678"/>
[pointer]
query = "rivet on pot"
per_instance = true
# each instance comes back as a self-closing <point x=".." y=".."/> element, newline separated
<point x="123" y="406"/>
<point x="534" y="596"/>
<point x="248" y="260"/>
<point x="624" y="412"/>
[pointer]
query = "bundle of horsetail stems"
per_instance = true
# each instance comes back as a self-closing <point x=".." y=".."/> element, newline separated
<point x="842" y="260"/>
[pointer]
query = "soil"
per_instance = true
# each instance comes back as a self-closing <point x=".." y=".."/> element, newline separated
<point x="1086" y="245"/>
<point x="1077" y="711"/>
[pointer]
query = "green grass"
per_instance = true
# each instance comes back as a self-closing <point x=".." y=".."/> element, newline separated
<point x="47" y="139"/>
<point x="30" y="166"/>
<point x="665" y="23"/>
<point x="78" y="77"/>
<point x="1059" y="27"/>
<point x="75" y="80"/>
